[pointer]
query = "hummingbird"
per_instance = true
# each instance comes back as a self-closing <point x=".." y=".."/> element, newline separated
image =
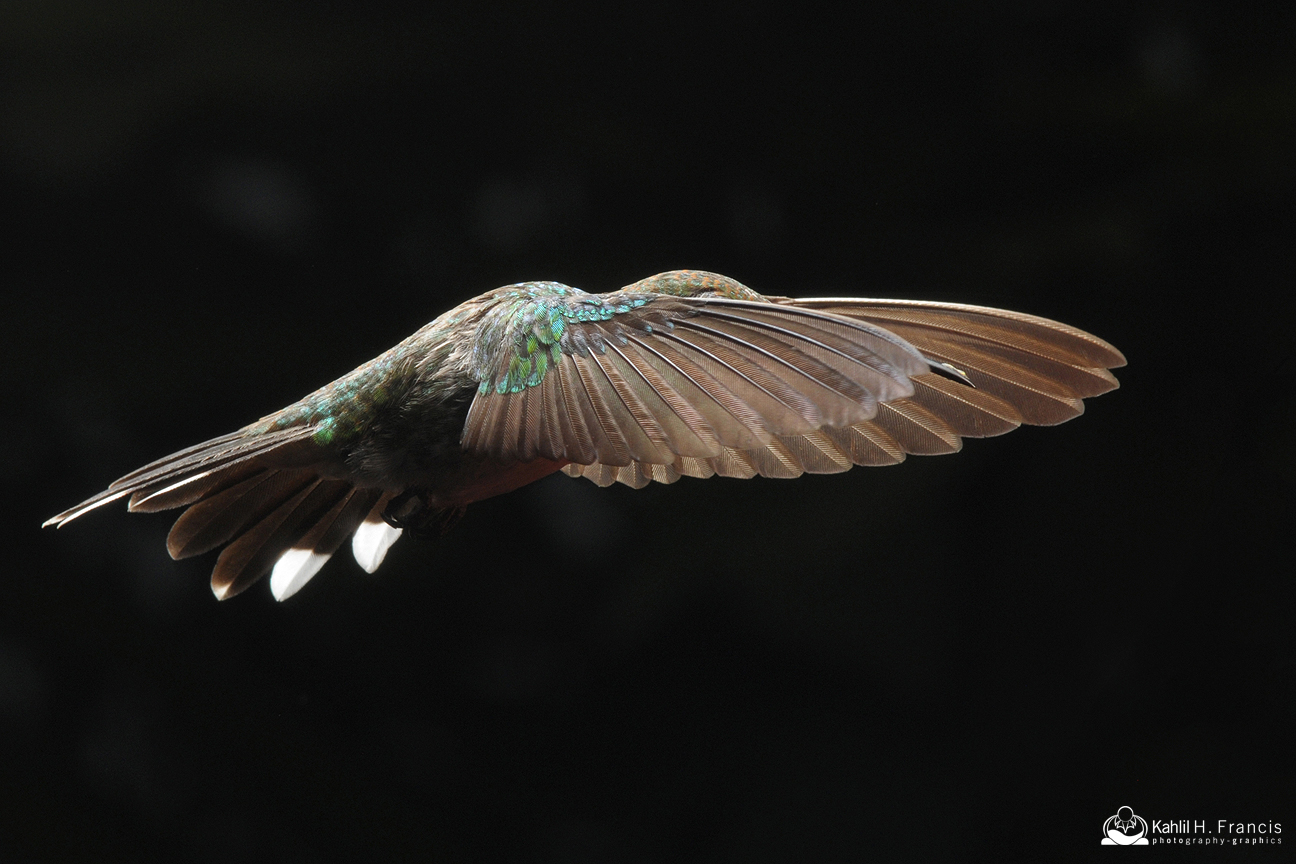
<point x="683" y="374"/>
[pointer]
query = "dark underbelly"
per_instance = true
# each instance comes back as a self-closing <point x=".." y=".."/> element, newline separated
<point x="416" y="448"/>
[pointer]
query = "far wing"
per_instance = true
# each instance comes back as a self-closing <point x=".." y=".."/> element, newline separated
<point x="1042" y="368"/>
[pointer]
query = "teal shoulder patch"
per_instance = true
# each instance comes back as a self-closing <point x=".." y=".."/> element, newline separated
<point x="524" y="334"/>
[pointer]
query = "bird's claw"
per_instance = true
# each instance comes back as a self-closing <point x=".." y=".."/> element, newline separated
<point x="411" y="510"/>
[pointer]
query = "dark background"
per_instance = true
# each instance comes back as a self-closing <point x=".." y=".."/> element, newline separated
<point x="213" y="208"/>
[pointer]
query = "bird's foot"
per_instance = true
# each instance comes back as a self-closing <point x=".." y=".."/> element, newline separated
<point x="411" y="510"/>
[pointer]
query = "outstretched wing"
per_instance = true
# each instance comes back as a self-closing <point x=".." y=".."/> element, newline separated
<point x="642" y="379"/>
<point x="739" y="400"/>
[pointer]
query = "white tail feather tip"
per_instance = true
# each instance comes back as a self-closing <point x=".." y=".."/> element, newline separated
<point x="371" y="542"/>
<point x="293" y="570"/>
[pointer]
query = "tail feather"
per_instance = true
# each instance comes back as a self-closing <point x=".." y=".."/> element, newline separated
<point x="260" y="494"/>
<point x="255" y="552"/>
<point x="217" y="520"/>
<point x="182" y="458"/>
<point x="296" y="566"/>
<point x="184" y="492"/>
<point x="194" y="464"/>
<point x="374" y="537"/>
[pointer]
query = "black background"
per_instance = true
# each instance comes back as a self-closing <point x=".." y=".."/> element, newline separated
<point x="213" y="208"/>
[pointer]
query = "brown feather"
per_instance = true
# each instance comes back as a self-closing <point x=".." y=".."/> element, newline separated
<point x="632" y="418"/>
<point x="861" y="373"/>
<point x="1081" y="381"/>
<point x="550" y="438"/>
<point x="1040" y="400"/>
<point x="1041" y="368"/>
<point x="181" y="457"/>
<point x="509" y="439"/>
<point x="684" y="430"/>
<point x="869" y="344"/>
<point x="579" y="443"/>
<point x="866" y="444"/>
<point x="186" y="492"/>
<point x="690" y="466"/>
<point x="216" y="520"/>
<point x="218" y="456"/>
<point x="251" y="555"/>
<point x="1028" y="333"/>
<point x="339" y="523"/>
<point x="734" y="463"/>
<point x="215" y="453"/>
<point x="916" y="429"/>
<point x="818" y="453"/>
<point x="636" y="475"/>
<point x="602" y="475"/>
<point x="969" y="412"/>
<point x="602" y="419"/>
<point x="794" y="360"/>
<point x="665" y="473"/>
<point x="822" y="384"/>
<point x="781" y="409"/>
<point x="733" y="421"/>
<point x="776" y="460"/>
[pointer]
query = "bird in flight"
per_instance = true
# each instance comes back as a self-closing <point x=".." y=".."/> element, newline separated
<point x="682" y="374"/>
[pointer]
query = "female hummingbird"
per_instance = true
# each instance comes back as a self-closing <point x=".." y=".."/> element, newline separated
<point x="685" y="373"/>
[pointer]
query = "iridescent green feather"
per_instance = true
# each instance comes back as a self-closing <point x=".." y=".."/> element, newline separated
<point x="523" y="336"/>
